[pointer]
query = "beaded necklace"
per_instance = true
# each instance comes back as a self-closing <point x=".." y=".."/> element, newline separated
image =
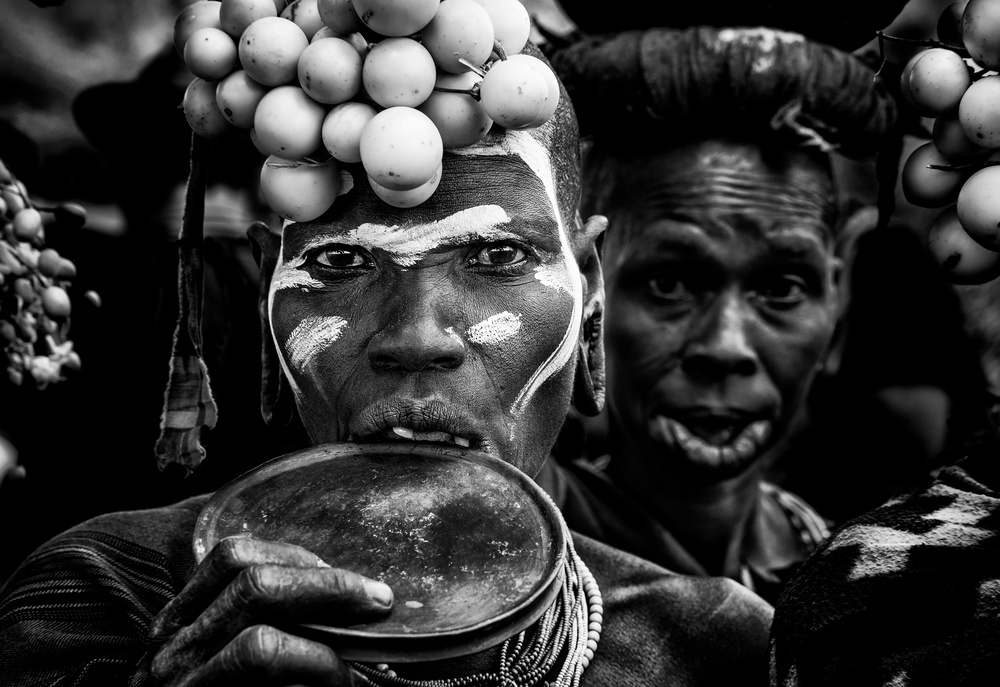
<point x="563" y="643"/>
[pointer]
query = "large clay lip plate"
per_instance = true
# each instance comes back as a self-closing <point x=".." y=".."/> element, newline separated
<point x="471" y="546"/>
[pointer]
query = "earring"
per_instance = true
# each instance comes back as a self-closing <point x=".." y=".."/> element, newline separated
<point x="589" y="384"/>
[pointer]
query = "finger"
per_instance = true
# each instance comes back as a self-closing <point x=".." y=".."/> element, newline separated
<point x="274" y="595"/>
<point x="221" y="565"/>
<point x="266" y="656"/>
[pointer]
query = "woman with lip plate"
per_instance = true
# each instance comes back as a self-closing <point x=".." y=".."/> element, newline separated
<point x="470" y="320"/>
<point x="710" y="154"/>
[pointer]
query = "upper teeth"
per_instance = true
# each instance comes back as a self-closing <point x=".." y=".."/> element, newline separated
<point x="408" y="433"/>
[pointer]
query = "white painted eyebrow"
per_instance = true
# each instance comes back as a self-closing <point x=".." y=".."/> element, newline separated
<point x="407" y="244"/>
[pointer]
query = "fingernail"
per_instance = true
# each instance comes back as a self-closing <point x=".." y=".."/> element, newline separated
<point x="377" y="591"/>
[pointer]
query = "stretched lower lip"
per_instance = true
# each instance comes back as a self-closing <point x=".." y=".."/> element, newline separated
<point x="421" y="420"/>
<point x="745" y="445"/>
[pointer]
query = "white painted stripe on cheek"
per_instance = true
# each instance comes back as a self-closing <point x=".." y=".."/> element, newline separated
<point x="407" y="244"/>
<point x="554" y="277"/>
<point x="312" y="336"/>
<point x="286" y="276"/>
<point x="494" y="329"/>
<point x="522" y="144"/>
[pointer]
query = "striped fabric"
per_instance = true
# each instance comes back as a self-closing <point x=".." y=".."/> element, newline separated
<point x="77" y="610"/>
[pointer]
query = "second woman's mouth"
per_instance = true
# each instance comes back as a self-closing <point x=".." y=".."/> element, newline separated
<point x="712" y="442"/>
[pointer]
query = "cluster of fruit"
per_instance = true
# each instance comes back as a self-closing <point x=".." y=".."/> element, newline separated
<point x="956" y="83"/>
<point x="389" y="84"/>
<point x="34" y="283"/>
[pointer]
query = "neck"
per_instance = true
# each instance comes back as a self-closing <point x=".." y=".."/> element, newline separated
<point x="709" y="519"/>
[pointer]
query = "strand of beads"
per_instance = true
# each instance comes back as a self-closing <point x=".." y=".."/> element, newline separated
<point x="563" y="641"/>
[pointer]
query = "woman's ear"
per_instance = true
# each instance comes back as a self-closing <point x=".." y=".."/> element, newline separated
<point x="589" y="384"/>
<point x="277" y="405"/>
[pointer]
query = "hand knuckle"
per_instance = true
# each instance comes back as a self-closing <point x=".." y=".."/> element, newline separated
<point x="228" y="552"/>
<point x="254" y="584"/>
<point x="256" y="648"/>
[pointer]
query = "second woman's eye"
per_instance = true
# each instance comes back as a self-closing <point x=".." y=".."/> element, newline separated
<point x="342" y="257"/>
<point x="785" y="291"/>
<point x="666" y="287"/>
<point x="499" y="254"/>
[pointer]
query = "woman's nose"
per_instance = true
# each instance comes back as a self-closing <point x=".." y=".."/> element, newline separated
<point x="719" y="343"/>
<point x="418" y="334"/>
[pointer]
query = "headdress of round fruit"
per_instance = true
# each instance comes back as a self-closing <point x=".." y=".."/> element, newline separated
<point x="385" y="84"/>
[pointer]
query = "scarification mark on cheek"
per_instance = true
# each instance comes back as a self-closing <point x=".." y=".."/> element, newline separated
<point x="494" y="329"/>
<point x="554" y="277"/>
<point x="406" y="245"/>
<point x="312" y="336"/>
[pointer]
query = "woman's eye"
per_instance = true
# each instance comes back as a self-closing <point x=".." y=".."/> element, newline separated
<point x="342" y="257"/>
<point x="499" y="255"/>
<point x="787" y="290"/>
<point x="666" y="287"/>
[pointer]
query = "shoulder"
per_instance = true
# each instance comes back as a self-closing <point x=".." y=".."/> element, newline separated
<point x="665" y="628"/>
<point x="863" y="601"/>
<point x="155" y="541"/>
<point x="80" y="605"/>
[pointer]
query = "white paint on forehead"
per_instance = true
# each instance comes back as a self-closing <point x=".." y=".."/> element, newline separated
<point x="554" y="277"/>
<point x="494" y="329"/>
<point x="407" y="244"/>
<point x="522" y="144"/>
<point x="311" y="337"/>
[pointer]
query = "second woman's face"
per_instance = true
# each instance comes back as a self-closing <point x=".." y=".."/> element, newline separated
<point x="720" y="304"/>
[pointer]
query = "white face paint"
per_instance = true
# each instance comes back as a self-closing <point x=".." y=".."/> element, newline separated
<point x="554" y="277"/>
<point x="311" y="337"/>
<point x="533" y="153"/>
<point x="407" y="244"/>
<point x="494" y="329"/>
<point x="292" y="276"/>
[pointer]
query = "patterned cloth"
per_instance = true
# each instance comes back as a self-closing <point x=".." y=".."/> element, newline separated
<point x="783" y="531"/>
<point x="78" y="610"/>
<point x="905" y="595"/>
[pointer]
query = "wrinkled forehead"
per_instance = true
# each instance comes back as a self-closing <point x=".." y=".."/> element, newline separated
<point x="743" y="186"/>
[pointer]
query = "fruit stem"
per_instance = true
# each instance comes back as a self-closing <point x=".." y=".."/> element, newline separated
<point x="954" y="168"/>
<point x="929" y="42"/>
<point x="473" y="67"/>
<point x="466" y="91"/>
<point x="498" y="49"/>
